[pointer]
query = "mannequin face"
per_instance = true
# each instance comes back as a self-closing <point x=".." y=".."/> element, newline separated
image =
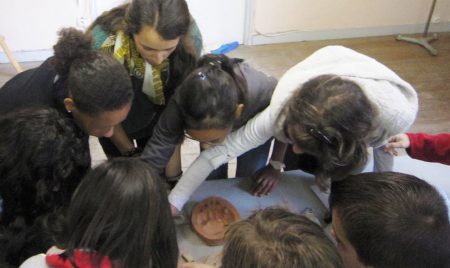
<point x="152" y="47"/>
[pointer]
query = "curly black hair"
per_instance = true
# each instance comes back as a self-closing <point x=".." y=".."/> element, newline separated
<point x="96" y="81"/>
<point x="43" y="157"/>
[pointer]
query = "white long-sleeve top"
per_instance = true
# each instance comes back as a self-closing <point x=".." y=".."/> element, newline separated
<point x="395" y="99"/>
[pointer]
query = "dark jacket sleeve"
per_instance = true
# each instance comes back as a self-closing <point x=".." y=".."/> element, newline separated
<point x="166" y="135"/>
<point x="31" y="87"/>
<point x="431" y="148"/>
<point x="260" y="87"/>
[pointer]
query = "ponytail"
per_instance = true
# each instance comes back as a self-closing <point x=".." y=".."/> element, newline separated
<point x="95" y="80"/>
<point x="72" y="45"/>
<point x="209" y="96"/>
<point x="231" y="66"/>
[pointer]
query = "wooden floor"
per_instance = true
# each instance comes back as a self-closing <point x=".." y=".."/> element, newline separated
<point x="430" y="75"/>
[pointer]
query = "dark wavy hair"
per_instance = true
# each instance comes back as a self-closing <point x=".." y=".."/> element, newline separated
<point x="120" y="210"/>
<point x="96" y="82"/>
<point x="330" y="118"/>
<point x="393" y="220"/>
<point x="170" y="18"/>
<point x="43" y="157"/>
<point x="274" y="237"/>
<point x="209" y="95"/>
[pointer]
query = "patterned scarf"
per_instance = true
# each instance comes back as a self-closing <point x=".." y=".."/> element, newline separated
<point x="123" y="49"/>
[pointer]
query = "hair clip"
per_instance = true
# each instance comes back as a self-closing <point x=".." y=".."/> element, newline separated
<point x="215" y="63"/>
<point x="320" y="136"/>
<point x="202" y="75"/>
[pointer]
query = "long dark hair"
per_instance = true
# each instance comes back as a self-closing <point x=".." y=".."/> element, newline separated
<point x="120" y="210"/>
<point x="96" y="82"/>
<point x="170" y="18"/>
<point x="330" y="118"/>
<point x="209" y="95"/>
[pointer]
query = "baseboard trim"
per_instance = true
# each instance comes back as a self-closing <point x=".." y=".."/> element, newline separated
<point x="26" y="56"/>
<point x="258" y="39"/>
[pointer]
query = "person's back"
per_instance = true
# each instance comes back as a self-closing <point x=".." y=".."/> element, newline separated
<point x="390" y="219"/>
<point x="33" y="86"/>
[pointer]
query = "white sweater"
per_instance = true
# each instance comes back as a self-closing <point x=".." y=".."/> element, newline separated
<point x="395" y="99"/>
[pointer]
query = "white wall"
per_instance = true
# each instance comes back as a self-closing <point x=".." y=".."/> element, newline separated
<point x="220" y="21"/>
<point x="297" y="20"/>
<point x="30" y="27"/>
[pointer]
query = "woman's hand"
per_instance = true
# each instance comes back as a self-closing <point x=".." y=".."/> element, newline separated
<point x="264" y="180"/>
<point x="397" y="141"/>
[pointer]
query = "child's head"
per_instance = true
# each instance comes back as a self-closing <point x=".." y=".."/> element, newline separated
<point x="99" y="88"/>
<point x="212" y="98"/>
<point x="390" y="220"/>
<point x="42" y="160"/>
<point x="120" y="210"/>
<point x="329" y="117"/>
<point x="274" y="237"/>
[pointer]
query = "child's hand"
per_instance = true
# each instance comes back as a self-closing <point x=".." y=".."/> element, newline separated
<point x="397" y="141"/>
<point x="264" y="180"/>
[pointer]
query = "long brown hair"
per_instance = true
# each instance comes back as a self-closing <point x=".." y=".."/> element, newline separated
<point x="330" y="118"/>
<point x="170" y="18"/>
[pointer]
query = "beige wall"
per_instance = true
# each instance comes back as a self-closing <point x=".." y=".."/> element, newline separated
<point x="281" y="16"/>
<point x="30" y="26"/>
